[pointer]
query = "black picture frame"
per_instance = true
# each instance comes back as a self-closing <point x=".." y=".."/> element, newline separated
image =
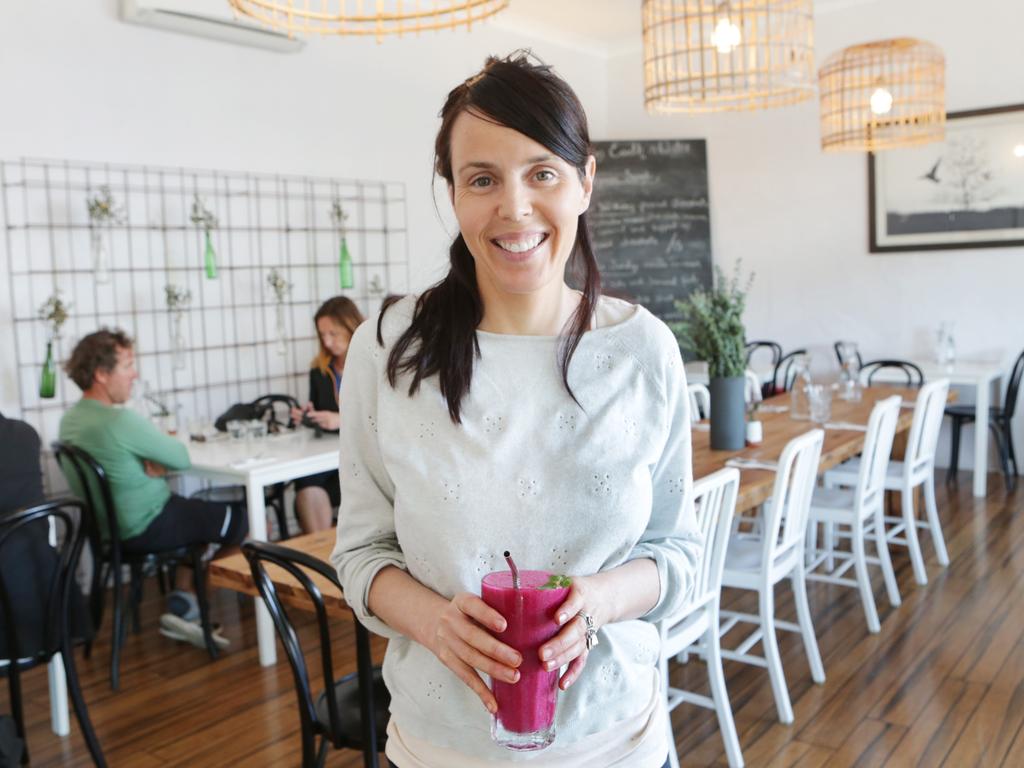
<point x="967" y="151"/>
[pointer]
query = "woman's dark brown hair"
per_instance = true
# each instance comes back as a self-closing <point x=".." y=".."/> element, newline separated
<point x="95" y="352"/>
<point x="531" y="99"/>
<point x="345" y="313"/>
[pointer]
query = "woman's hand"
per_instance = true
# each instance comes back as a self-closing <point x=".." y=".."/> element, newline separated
<point x="461" y="638"/>
<point x="326" y="419"/>
<point x="569" y="646"/>
<point x="296" y="414"/>
<point x="153" y="469"/>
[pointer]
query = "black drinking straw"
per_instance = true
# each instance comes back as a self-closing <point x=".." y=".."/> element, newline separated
<point x="515" y="571"/>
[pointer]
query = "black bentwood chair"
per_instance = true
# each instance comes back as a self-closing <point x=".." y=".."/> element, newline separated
<point x="838" y="347"/>
<point x="92" y="479"/>
<point x="352" y="713"/>
<point x="56" y="636"/>
<point x="1000" y="421"/>
<point x="913" y="375"/>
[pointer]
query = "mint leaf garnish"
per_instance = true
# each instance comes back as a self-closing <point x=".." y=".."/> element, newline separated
<point x="557" y="581"/>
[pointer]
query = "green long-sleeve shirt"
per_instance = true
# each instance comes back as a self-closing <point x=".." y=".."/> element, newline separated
<point x="119" y="439"/>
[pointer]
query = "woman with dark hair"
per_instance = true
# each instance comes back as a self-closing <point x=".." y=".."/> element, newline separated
<point x="317" y="496"/>
<point x="504" y="410"/>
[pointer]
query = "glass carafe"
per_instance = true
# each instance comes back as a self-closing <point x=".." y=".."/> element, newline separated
<point x="849" y="372"/>
<point x="799" y="406"/>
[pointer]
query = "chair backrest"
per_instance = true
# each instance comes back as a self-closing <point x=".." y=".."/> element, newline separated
<point x="786" y="516"/>
<point x="266" y="403"/>
<point x="838" y="347"/>
<point x="913" y="377"/>
<point x="774" y="349"/>
<point x="299" y="565"/>
<point x="785" y="367"/>
<point x="870" y="488"/>
<point x="1013" y="387"/>
<point x="700" y="402"/>
<point x="752" y="388"/>
<point x="714" y="503"/>
<point x="88" y="480"/>
<point x="53" y="522"/>
<point x="924" y="429"/>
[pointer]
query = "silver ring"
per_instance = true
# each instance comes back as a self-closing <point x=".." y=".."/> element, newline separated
<point x="591" y="631"/>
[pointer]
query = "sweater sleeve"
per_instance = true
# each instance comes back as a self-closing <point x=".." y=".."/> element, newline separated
<point x="672" y="538"/>
<point x="366" y="539"/>
<point x="142" y="439"/>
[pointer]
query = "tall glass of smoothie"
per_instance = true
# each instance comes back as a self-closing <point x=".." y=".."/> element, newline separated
<point x="525" y="719"/>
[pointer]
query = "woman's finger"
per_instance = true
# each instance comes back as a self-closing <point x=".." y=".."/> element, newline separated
<point x="572" y="674"/>
<point x="470" y="677"/>
<point x="568" y="644"/>
<point x="482" y="663"/>
<point x="474" y="630"/>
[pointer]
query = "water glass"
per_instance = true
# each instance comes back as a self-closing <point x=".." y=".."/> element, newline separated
<point x="258" y="428"/>
<point x="819" y="397"/>
<point x="237" y="429"/>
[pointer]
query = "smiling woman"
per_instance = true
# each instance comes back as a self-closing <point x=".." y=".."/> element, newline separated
<point x="505" y="410"/>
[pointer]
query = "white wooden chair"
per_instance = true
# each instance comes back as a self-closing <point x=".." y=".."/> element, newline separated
<point x="715" y="503"/>
<point x="859" y="515"/>
<point x="759" y="564"/>
<point x="700" y="402"/>
<point x="917" y="469"/>
<point x="751" y="387"/>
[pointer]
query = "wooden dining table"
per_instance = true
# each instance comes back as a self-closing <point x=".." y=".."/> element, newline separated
<point x="755" y="486"/>
<point x="779" y="428"/>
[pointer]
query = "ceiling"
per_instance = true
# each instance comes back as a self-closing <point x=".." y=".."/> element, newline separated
<point x="601" y="27"/>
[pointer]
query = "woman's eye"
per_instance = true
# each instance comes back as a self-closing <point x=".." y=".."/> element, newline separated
<point x="480" y="182"/>
<point x="545" y="175"/>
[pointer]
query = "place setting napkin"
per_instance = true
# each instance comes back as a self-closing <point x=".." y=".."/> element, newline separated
<point x="846" y="425"/>
<point x="740" y="462"/>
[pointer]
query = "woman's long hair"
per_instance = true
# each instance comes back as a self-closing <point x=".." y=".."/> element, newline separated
<point x="345" y="313"/>
<point x="529" y="98"/>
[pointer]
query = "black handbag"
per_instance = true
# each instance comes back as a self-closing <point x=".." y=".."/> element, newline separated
<point x="239" y="412"/>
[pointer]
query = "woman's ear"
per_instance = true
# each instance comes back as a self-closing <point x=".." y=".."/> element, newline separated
<point x="588" y="183"/>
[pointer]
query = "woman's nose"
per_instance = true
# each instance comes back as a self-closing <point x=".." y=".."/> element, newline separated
<point x="515" y="202"/>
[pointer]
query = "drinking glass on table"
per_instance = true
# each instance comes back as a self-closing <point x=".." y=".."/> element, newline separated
<point x="237" y="429"/>
<point x="819" y="397"/>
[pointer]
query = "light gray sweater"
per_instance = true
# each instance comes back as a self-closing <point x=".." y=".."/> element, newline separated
<point x="570" y="489"/>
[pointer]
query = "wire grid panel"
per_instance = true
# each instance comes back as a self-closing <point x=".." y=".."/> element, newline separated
<point x="232" y="348"/>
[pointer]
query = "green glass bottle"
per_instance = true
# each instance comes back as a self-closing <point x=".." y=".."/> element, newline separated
<point x="210" y="258"/>
<point x="345" y="265"/>
<point x="48" y="379"/>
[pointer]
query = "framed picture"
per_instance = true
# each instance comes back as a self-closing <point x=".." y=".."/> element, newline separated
<point x="964" y="192"/>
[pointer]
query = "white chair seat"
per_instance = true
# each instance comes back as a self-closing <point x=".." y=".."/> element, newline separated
<point x="831" y="499"/>
<point x="846" y="474"/>
<point x="744" y="554"/>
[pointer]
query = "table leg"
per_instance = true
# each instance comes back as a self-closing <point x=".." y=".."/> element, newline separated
<point x="59" y="719"/>
<point x="258" y="531"/>
<point x="981" y="404"/>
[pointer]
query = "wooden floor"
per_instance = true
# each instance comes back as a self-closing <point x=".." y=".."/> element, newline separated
<point x="942" y="684"/>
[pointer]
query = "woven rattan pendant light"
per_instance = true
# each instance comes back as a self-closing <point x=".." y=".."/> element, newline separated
<point x="707" y="56"/>
<point x="366" y="17"/>
<point x="880" y="95"/>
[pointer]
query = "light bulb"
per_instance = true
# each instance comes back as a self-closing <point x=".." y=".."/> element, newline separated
<point x="881" y="101"/>
<point x="1018" y="151"/>
<point x="726" y="35"/>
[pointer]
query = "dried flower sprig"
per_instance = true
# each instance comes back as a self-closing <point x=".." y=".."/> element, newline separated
<point x="712" y="325"/>
<point x="202" y="216"/>
<point x="178" y="298"/>
<point x="338" y="215"/>
<point x="278" y="285"/>
<point x="102" y="208"/>
<point x="55" y="312"/>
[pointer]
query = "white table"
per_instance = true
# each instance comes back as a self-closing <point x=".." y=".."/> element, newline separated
<point x="257" y="464"/>
<point x="981" y="376"/>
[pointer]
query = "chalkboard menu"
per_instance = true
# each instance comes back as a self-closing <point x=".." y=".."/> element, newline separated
<point x="649" y="221"/>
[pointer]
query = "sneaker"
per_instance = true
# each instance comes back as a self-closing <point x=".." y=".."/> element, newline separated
<point x="183" y="604"/>
<point x="177" y="628"/>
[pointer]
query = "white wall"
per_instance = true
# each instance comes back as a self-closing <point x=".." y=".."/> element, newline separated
<point x="798" y="217"/>
<point x="78" y="83"/>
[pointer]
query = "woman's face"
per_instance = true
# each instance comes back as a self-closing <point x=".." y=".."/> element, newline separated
<point x="517" y="204"/>
<point x="334" y="336"/>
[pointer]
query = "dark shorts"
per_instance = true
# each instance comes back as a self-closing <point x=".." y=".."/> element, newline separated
<point x="326" y="480"/>
<point x="184" y="522"/>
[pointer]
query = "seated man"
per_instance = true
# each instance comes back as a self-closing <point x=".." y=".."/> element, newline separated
<point x="136" y="455"/>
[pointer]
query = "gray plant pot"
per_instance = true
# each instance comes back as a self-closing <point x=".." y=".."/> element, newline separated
<point x="728" y="414"/>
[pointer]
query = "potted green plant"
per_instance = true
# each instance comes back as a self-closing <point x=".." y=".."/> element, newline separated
<point x="712" y="328"/>
<point x="54" y="313"/>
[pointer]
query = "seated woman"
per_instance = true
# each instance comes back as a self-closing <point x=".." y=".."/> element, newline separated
<point x="317" y="496"/>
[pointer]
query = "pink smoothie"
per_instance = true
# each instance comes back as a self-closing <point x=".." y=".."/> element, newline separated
<point x="528" y="705"/>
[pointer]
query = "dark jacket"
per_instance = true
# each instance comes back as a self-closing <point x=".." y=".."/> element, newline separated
<point x="27" y="562"/>
<point x="322" y="393"/>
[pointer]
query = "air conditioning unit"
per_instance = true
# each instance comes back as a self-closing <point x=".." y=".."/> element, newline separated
<point x="175" y="16"/>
